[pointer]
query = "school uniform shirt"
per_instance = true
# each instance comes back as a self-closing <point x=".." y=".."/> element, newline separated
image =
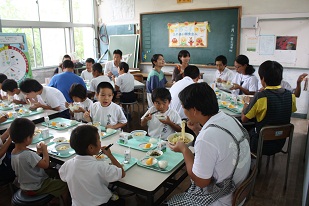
<point x="156" y="128"/>
<point x="20" y="97"/>
<point x="96" y="81"/>
<point x="30" y="177"/>
<point x="3" y="93"/>
<point x="175" y="90"/>
<point x="88" y="179"/>
<point x="109" y="115"/>
<point x="110" y="67"/>
<point x="216" y="152"/>
<point x="85" y="105"/>
<point x="85" y="75"/>
<point x="226" y="75"/>
<point x="64" y="81"/>
<point x="125" y="82"/>
<point x="52" y="97"/>
<point x="249" y="82"/>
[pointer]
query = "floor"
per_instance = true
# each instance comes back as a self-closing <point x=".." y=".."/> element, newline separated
<point x="269" y="184"/>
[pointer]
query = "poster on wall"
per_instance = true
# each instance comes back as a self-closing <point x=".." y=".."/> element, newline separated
<point x="286" y="42"/>
<point x="188" y="34"/>
<point x="14" y="56"/>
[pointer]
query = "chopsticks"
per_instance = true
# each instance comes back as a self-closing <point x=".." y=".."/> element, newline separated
<point x="183" y="126"/>
<point x="154" y="112"/>
<point x="106" y="148"/>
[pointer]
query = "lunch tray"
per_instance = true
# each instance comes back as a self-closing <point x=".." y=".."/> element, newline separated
<point x="41" y="138"/>
<point x="120" y="159"/>
<point x="108" y="134"/>
<point x="30" y="114"/>
<point x="60" y="120"/>
<point x="5" y="108"/>
<point x="134" y="144"/>
<point x="9" y="120"/>
<point x="52" y="150"/>
<point x="235" y="110"/>
<point x="173" y="158"/>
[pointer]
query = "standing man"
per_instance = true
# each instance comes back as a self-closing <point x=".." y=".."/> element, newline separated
<point x="64" y="81"/>
<point x="223" y="74"/>
<point x="111" y="67"/>
<point x="87" y="73"/>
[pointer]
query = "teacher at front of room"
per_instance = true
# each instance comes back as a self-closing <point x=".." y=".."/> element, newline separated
<point x="244" y="82"/>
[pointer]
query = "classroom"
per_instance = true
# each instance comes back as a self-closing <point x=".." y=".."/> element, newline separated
<point x="121" y="102"/>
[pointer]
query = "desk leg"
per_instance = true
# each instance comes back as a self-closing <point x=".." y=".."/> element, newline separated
<point x="150" y="199"/>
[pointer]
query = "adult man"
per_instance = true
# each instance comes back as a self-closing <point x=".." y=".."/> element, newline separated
<point x="87" y="73"/>
<point x="223" y="74"/>
<point x="222" y="154"/>
<point x="111" y="67"/>
<point x="272" y="106"/>
<point x="64" y="81"/>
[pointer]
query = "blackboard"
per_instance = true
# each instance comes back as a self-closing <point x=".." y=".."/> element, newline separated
<point x="223" y="37"/>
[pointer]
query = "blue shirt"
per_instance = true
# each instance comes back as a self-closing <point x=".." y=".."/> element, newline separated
<point x="64" y="81"/>
<point x="155" y="80"/>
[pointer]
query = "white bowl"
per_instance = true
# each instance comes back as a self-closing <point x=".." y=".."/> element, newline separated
<point x="175" y="137"/>
<point x="144" y="161"/>
<point x="63" y="148"/>
<point x="138" y="134"/>
<point x="110" y="130"/>
<point x="163" y="164"/>
<point x="59" y="140"/>
<point x="160" y="116"/>
<point x="40" y="109"/>
<point x="154" y="153"/>
<point x="37" y="135"/>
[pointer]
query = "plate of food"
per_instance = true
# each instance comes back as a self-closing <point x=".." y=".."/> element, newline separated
<point x="146" y="145"/>
<point x="149" y="161"/>
<point x="154" y="153"/>
<point x="99" y="157"/>
<point x="60" y="139"/>
<point x="175" y="137"/>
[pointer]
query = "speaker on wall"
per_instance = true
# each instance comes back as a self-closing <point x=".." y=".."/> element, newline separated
<point x="249" y="22"/>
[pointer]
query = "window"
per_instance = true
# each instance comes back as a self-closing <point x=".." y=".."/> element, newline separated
<point x="50" y="30"/>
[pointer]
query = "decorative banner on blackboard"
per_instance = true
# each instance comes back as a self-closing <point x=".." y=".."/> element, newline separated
<point x="188" y="34"/>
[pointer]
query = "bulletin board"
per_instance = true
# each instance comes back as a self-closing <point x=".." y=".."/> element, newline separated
<point x="222" y="39"/>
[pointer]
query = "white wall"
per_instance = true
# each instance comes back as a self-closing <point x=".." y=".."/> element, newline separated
<point x="261" y="9"/>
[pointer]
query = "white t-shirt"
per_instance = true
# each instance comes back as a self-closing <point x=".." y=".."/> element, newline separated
<point x="216" y="152"/>
<point x="125" y="82"/>
<point x="85" y="105"/>
<point x="52" y="97"/>
<point x="86" y="75"/>
<point x="156" y="128"/>
<point x="3" y="93"/>
<point x="88" y="179"/>
<point x="226" y="75"/>
<point x="175" y="90"/>
<point x="20" y="97"/>
<point x="96" y="81"/>
<point x="250" y="82"/>
<point x="110" y="115"/>
<point x="1" y="158"/>
<point x="110" y="67"/>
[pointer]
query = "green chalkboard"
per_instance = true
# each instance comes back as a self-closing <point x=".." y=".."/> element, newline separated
<point x="223" y="37"/>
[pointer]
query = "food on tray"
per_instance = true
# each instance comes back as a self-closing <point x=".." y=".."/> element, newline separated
<point x="154" y="153"/>
<point x="139" y="134"/>
<point x="103" y="134"/>
<point x="10" y="114"/>
<point x="99" y="157"/>
<point x="54" y="124"/>
<point x="178" y="137"/>
<point x="21" y="111"/>
<point x="149" y="161"/>
<point x="148" y="145"/>
<point x="63" y="148"/>
<point x="224" y="103"/>
<point x="231" y="106"/>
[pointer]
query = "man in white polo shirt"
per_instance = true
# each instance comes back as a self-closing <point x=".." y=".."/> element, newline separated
<point x="223" y="74"/>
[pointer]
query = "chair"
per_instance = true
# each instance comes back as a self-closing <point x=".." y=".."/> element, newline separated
<point x="138" y="77"/>
<point x="129" y="107"/>
<point x="21" y="199"/>
<point x="277" y="132"/>
<point x="244" y="191"/>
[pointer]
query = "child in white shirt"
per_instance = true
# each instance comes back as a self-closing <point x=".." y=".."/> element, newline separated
<point x="87" y="73"/>
<point x="79" y="95"/>
<point x="125" y="84"/>
<point x="161" y="98"/>
<point x="109" y="114"/>
<point x="11" y="88"/>
<point x="87" y="177"/>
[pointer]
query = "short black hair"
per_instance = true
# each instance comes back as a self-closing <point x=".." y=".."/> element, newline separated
<point x="244" y="60"/>
<point x="201" y="97"/>
<point x="183" y="53"/>
<point x="9" y="85"/>
<point x="78" y="90"/>
<point x="155" y="58"/>
<point x="30" y="85"/>
<point x="90" y="60"/>
<point x="83" y="136"/>
<point x="124" y="66"/>
<point x="68" y="64"/>
<point x="66" y="56"/>
<point x="2" y="77"/>
<point x="191" y="71"/>
<point x="20" y="129"/>
<point x="117" y="51"/>
<point x="222" y="59"/>
<point x="97" y="67"/>
<point x="161" y="93"/>
<point x="271" y="71"/>
<point x="104" y="85"/>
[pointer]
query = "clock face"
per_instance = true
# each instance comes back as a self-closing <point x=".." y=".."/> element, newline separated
<point x="13" y="63"/>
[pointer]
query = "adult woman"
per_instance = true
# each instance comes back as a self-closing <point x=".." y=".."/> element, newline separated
<point x="183" y="58"/>
<point x="222" y="154"/>
<point x="244" y="81"/>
